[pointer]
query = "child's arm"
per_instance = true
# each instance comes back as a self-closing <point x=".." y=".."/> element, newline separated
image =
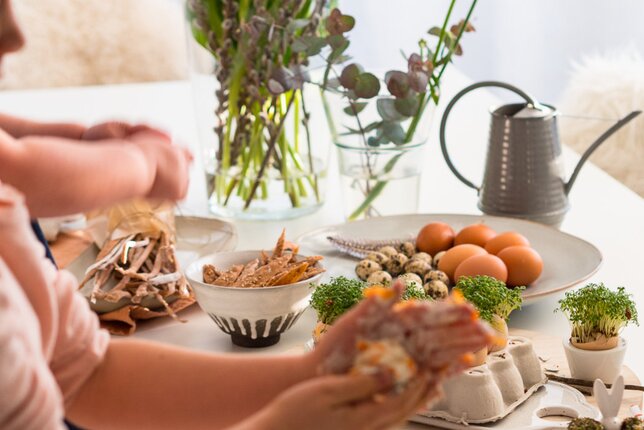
<point x="60" y="176"/>
<point x="19" y="127"/>
<point x="140" y="383"/>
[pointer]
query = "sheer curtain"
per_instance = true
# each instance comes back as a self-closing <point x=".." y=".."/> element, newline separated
<point x="530" y="43"/>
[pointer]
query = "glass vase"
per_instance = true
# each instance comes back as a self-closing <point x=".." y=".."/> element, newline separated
<point x="264" y="164"/>
<point x="379" y="176"/>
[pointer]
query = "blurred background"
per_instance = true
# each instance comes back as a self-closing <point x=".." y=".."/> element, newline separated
<point x="584" y="56"/>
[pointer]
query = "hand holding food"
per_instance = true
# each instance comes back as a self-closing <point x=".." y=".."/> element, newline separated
<point x="406" y="339"/>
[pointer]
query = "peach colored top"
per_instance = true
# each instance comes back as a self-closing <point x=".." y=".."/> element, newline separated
<point x="50" y="341"/>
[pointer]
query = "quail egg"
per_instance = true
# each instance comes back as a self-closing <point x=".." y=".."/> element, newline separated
<point x="408" y="248"/>
<point x="436" y="289"/>
<point x="389" y="251"/>
<point x="437" y="258"/>
<point x="423" y="256"/>
<point x="396" y="264"/>
<point x="419" y="267"/>
<point x="413" y="278"/>
<point x="378" y="257"/>
<point x="366" y="268"/>
<point x="436" y="275"/>
<point x="379" y="278"/>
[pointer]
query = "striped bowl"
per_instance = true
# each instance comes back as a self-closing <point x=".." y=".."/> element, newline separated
<point x="253" y="317"/>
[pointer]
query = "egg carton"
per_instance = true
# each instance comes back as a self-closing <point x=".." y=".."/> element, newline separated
<point x="490" y="392"/>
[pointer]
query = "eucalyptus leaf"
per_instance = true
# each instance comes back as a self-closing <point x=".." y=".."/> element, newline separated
<point x="312" y="45"/>
<point x="355" y="108"/>
<point x="387" y="109"/>
<point x="397" y="83"/>
<point x="434" y="31"/>
<point x="349" y="75"/>
<point x="297" y="24"/>
<point x="367" y="86"/>
<point x="337" y="23"/>
<point x="275" y="87"/>
<point x="393" y="132"/>
<point x="418" y="80"/>
<point x="337" y="41"/>
<point x="341" y="59"/>
<point x="407" y="106"/>
<point x="373" y="141"/>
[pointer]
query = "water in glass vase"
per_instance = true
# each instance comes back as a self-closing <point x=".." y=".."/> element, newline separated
<point x="398" y="194"/>
<point x="276" y="197"/>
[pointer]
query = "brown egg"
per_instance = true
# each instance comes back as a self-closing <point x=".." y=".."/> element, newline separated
<point x="476" y="234"/>
<point x="435" y="237"/>
<point x="503" y="240"/>
<point x="456" y="256"/>
<point x="484" y="264"/>
<point x="524" y="265"/>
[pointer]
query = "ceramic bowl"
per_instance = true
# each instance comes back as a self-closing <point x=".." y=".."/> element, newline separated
<point x="590" y="365"/>
<point x="253" y="317"/>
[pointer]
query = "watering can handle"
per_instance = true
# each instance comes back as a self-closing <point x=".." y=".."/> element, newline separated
<point x="450" y="105"/>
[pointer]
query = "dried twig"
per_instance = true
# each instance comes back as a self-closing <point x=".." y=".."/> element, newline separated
<point x="584" y="383"/>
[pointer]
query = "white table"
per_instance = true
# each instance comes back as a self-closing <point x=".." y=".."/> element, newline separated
<point x="603" y="212"/>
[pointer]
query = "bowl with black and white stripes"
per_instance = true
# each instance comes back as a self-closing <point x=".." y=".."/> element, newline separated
<point x="254" y="317"/>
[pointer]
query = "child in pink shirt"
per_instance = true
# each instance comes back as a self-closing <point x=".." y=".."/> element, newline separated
<point x="55" y="362"/>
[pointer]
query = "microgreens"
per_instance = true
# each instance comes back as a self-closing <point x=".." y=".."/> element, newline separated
<point x="595" y="309"/>
<point x="334" y="298"/>
<point x="490" y="296"/>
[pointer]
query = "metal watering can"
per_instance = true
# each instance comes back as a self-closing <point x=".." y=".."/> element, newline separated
<point x="524" y="175"/>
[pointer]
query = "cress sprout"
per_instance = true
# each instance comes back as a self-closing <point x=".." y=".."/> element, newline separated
<point x="490" y="296"/>
<point x="596" y="310"/>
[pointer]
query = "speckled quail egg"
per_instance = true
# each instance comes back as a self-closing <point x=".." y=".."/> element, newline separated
<point x="379" y="278"/>
<point x="436" y="289"/>
<point x="378" y="257"/>
<point x="413" y="278"/>
<point x="419" y="267"/>
<point x="389" y="251"/>
<point x="366" y="268"/>
<point x="396" y="264"/>
<point x="423" y="256"/>
<point x="437" y="258"/>
<point x="436" y="275"/>
<point x="408" y="248"/>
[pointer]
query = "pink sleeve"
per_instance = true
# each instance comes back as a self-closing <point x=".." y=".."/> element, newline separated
<point x="80" y="344"/>
<point x="29" y="395"/>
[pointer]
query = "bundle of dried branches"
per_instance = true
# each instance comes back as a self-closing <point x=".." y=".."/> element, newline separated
<point x="136" y="267"/>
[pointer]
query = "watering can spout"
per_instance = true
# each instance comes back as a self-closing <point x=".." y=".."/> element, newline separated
<point x="601" y="139"/>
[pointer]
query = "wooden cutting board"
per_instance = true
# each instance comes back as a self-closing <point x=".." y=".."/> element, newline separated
<point x="550" y="349"/>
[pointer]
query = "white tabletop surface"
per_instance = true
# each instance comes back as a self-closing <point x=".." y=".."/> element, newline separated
<point x="604" y="212"/>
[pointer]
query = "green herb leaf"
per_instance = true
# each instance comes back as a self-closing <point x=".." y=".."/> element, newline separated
<point x="490" y="296"/>
<point x="407" y="106"/>
<point x="595" y="309"/>
<point x="332" y="299"/>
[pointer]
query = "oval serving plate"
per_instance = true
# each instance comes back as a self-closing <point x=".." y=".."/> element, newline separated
<point x="567" y="260"/>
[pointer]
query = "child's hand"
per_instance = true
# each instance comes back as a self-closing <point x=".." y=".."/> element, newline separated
<point x="169" y="162"/>
<point x="118" y="130"/>
<point x="340" y="402"/>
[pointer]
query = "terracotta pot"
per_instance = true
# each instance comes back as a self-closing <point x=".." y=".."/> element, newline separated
<point x="591" y="364"/>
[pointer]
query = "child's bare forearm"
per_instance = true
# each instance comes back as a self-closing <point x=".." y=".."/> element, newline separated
<point x="60" y="176"/>
<point x="19" y="127"/>
<point x="142" y="384"/>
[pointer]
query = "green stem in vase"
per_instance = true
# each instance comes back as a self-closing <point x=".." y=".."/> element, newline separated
<point x="375" y="190"/>
<point x="267" y="156"/>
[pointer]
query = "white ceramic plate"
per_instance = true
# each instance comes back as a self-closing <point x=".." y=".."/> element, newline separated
<point x="567" y="260"/>
<point x="196" y="237"/>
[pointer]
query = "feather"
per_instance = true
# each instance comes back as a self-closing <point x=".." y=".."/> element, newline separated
<point x="360" y="248"/>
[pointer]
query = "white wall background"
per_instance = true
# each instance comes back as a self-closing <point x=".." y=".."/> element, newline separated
<point x="530" y="43"/>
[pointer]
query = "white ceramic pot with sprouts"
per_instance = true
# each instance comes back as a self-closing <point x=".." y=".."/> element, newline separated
<point x="595" y="349"/>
